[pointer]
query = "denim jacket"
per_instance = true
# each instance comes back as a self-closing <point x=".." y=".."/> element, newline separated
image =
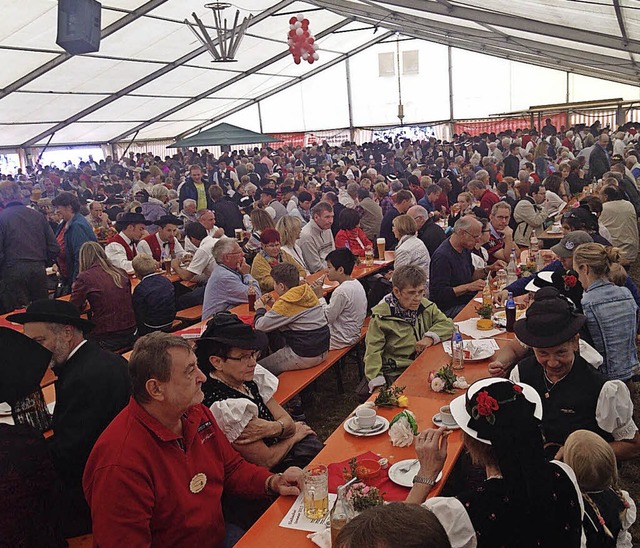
<point x="611" y="320"/>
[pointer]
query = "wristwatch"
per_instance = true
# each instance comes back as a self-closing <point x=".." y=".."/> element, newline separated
<point x="426" y="481"/>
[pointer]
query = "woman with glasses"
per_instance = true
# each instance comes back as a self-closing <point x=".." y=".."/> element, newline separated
<point x="240" y="394"/>
<point x="271" y="255"/>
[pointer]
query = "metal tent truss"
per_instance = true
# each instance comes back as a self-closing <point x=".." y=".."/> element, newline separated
<point x="151" y="79"/>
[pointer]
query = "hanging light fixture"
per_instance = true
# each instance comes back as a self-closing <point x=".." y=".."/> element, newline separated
<point x="228" y="39"/>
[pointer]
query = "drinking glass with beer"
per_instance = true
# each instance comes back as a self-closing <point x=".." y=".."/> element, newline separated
<point x="381" y="245"/>
<point x="316" y="491"/>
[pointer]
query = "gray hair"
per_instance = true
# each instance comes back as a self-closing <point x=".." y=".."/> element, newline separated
<point x="482" y="174"/>
<point x="352" y="189"/>
<point x="223" y="246"/>
<point x="159" y="191"/>
<point x="523" y="176"/>
<point x="418" y="211"/>
<point x="409" y="276"/>
<point x="189" y="201"/>
<point x="475" y="184"/>
<point x="463" y="224"/>
<point x="10" y="192"/>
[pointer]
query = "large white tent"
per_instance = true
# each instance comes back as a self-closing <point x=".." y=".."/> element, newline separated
<point x="152" y="80"/>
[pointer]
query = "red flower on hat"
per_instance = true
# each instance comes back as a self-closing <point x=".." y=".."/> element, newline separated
<point x="517" y="388"/>
<point x="570" y="281"/>
<point x="486" y="404"/>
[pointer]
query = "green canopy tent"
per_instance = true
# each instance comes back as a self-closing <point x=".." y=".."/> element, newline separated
<point x="224" y="135"/>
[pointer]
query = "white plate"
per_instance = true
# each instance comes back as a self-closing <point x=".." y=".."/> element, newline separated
<point x="5" y="409"/>
<point x="379" y="420"/>
<point x="405" y="479"/>
<point x="436" y="420"/>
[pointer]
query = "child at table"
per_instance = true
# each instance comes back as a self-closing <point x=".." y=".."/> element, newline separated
<point x="154" y="302"/>
<point x="347" y="308"/>
<point x="609" y="511"/>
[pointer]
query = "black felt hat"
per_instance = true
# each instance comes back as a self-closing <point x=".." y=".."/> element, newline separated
<point x="551" y="320"/>
<point x="52" y="311"/>
<point x="227" y="328"/>
<point x="22" y="367"/>
<point x="169" y="220"/>
<point x="131" y="218"/>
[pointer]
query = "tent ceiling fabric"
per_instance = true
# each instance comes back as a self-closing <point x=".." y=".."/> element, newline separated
<point x="153" y="79"/>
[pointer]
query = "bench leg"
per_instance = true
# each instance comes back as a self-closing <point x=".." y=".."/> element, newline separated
<point x="337" y="368"/>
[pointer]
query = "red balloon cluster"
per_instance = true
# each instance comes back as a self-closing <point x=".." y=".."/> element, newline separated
<point x="301" y="41"/>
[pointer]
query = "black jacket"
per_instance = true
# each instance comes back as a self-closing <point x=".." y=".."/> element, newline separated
<point x="188" y="190"/>
<point x="432" y="235"/>
<point x="92" y="388"/>
<point x="228" y="215"/>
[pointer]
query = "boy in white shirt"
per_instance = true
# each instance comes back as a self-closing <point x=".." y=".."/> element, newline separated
<point x="347" y="309"/>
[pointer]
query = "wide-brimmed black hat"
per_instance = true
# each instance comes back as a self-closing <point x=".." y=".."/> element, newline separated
<point x="131" y="218"/>
<point x="227" y="328"/>
<point x="52" y="311"/>
<point x="113" y="200"/>
<point x="169" y="220"/>
<point x="22" y="367"/>
<point x="551" y="320"/>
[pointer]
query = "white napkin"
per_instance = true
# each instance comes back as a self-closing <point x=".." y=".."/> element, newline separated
<point x="468" y="327"/>
<point x="321" y="538"/>
<point x="401" y="433"/>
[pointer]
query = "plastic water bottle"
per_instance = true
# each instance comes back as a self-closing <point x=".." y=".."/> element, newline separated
<point x="510" y="312"/>
<point x="512" y="269"/>
<point x="457" y="349"/>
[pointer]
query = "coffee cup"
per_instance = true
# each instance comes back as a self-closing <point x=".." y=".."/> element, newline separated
<point x="446" y="418"/>
<point x="365" y="417"/>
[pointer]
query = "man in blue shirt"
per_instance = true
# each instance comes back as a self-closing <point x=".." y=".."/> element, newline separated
<point x="453" y="281"/>
<point x="230" y="280"/>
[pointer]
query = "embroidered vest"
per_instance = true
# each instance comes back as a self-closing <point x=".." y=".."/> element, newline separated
<point x="131" y="253"/>
<point x="571" y="403"/>
<point x="156" y="248"/>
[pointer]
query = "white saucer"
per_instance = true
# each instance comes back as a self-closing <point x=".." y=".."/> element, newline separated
<point x="436" y="420"/>
<point x="351" y="428"/>
<point x="405" y="479"/>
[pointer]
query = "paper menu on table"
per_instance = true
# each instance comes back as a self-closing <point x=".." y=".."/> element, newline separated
<point x="295" y="518"/>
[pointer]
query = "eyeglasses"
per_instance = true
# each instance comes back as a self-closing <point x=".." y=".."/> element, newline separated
<point x="246" y="359"/>
<point x="472" y="235"/>
<point x="273" y="244"/>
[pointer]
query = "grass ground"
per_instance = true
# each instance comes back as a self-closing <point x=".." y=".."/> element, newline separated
<point x="325" y="410"/>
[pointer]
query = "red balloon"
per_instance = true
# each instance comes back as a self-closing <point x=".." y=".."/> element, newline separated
<point x="311" y="40"/>
<point x="306" y="34"/>
<point x="292" y="20"/>
<point x="292" y="34"/>
<point x="305" y="24"/>
<point x="296" y="60"/>
<point x="311" y="60"/>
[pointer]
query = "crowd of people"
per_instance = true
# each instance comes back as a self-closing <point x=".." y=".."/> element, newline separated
<point x="136" y="456"/>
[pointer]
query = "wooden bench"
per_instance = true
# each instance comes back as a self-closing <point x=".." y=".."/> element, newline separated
<point x="190" y="315"/>
<point x="291" y="383"/>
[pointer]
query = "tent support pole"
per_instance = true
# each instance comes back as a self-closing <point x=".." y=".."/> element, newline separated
<point x="450" y="72"/>
<point x="129" y="145"/>
<point x="260" y="117"/>
<point x="347" y="68"/>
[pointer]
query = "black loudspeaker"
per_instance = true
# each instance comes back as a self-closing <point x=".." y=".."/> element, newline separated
<point x="79" y="26"/>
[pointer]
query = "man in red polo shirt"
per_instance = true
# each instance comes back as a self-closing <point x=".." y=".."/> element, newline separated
<point x="157" y="473"/>
<point x="482" y="194"/>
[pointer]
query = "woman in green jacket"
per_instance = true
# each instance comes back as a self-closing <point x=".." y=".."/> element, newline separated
<point x="402" y="325"/>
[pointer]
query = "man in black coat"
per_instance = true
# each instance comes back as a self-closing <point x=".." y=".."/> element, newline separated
<point x="599" y="162"/>
<point x="228" y="215"/>
<point x="91" y="389"/>
<point x="428" y="231"/>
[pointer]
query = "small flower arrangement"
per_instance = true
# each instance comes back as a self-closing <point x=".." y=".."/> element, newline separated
<point x="445" y="380"/>
<point x="364" y="496"/>
<point x="391" y="397"/>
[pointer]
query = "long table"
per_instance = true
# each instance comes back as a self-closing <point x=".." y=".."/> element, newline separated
<point x="360" y="271"/>
<point x="341" y="446"/>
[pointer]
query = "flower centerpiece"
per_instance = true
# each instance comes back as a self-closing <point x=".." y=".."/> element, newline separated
<point x="391" y="397"/>
<point x="485" y="312"/>
<point x="364" y="496"/>
<point x="445" y="380"/>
